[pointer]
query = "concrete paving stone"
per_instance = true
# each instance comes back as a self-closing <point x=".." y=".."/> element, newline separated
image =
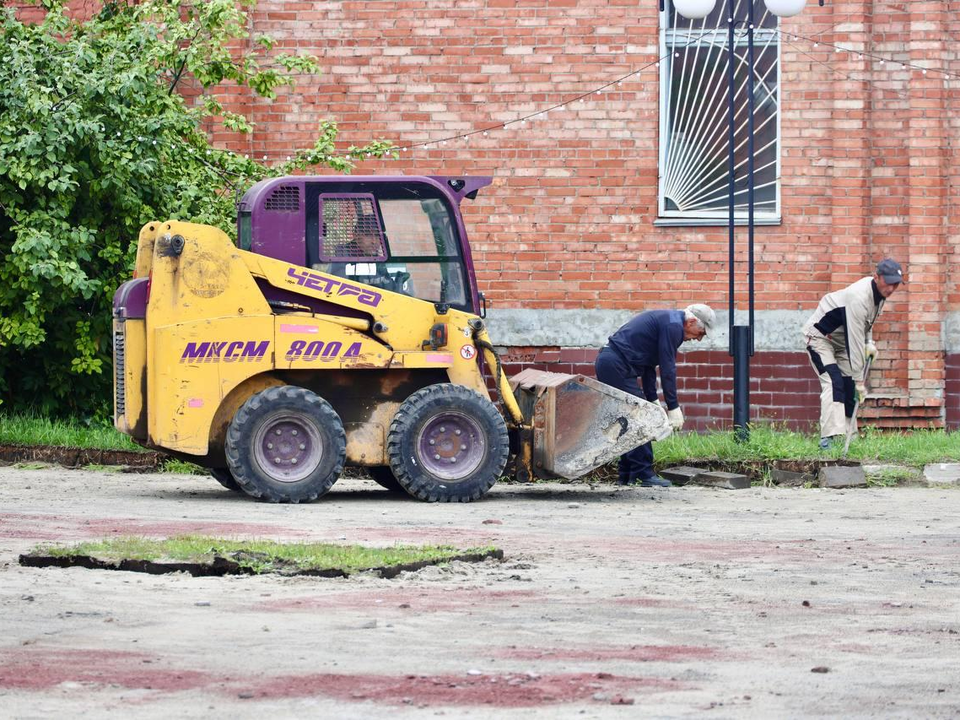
<point x="720" y="479"/>
<point x="942" y="473"/>
<point x="842" y="476"/>
<point x="787" y="477"/>
<point x="681" y="474"/>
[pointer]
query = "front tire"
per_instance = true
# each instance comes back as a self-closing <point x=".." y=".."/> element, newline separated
<point x="447" y="443"/>
<point x="286" y="444"/>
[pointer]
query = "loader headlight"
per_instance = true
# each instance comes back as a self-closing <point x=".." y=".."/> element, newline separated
<point x="438" y="337"/>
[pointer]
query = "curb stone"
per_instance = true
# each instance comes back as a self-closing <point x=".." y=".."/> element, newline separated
<point x="842" y="476"/>
<point x="942" y="473"/>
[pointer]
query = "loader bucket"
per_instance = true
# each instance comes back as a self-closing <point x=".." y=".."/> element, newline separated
<point x="580" y="423"/>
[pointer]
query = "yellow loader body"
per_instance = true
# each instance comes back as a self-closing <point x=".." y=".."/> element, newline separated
<point x="343" y="328"/>
<point x="209" y="331"/>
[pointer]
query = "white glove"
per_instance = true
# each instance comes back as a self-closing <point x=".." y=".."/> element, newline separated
<point x="675" y="418"/>
<point x="870" y="351"/>
<point x="861" y="392"/>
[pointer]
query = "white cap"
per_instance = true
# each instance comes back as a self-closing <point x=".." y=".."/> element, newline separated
<point x="703" y="313"/>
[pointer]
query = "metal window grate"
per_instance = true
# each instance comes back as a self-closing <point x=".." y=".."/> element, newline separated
<point x="351" y="228"/>
<point x="119" y="365"/>
<point x="285" y="198"/>
<point x="694" y="153"/>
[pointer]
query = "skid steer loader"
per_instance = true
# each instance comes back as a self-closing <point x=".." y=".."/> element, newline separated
<point x="344" y="327"/>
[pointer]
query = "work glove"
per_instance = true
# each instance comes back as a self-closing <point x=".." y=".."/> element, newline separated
<point x="675" y="417"/>
<point x="861" y="392"/>
<point x="870" y="351"/>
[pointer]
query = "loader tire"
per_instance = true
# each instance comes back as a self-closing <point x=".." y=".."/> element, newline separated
<point x="384" y="477"/>
<point x="286" y="445"/>
<point x="223" y="476"/>
<point x="447" y="443"/>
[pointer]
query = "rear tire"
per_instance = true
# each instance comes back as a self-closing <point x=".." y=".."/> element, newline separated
<point x="286" y="444"/>
<point x="384" y="477"/>
<point x="223" y="476"/>
<point x="447" y="443"/>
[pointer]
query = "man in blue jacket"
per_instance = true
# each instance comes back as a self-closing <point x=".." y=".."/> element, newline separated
<point x="633" y="353"/>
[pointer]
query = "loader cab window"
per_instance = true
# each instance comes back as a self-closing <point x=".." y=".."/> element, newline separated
<point x="421" y="236"/>
<point x="245" y="231"/>
<point x="400" y="243"/>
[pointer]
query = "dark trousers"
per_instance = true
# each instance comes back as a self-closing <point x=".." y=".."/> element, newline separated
<point x="613" y="370"/>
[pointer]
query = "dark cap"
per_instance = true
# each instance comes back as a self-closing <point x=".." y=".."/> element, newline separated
<point x="890" y="271"/>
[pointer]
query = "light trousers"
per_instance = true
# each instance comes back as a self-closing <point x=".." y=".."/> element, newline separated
<point x="837" y="391"/>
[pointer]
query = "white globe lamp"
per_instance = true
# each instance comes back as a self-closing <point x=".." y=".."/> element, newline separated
<point x="694" y="9"/>
<point x="785" y="8"/>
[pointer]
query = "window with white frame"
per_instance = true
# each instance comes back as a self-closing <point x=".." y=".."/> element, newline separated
<point x="694" y="114"/>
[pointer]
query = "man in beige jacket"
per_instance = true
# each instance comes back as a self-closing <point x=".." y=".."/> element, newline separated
<point x="839" y="339"/>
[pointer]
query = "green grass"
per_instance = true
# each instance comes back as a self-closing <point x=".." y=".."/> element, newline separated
<point x="18" y="429"/>
<point x="915" y="448"/>
<point x="31" y="465"/>
<point x="892" y="476"/>
<point x="259" y="555"/>
<point x="181" y="467"/>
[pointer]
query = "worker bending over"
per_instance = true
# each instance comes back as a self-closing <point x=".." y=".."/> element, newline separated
<point x="632" y="353"/>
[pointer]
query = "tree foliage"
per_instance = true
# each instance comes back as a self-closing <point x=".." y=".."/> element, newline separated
<point x="96" y="139"/>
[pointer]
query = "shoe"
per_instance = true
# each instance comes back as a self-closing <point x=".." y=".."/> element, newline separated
<point x="828" y="443"/>
<point x="655" y="481"/>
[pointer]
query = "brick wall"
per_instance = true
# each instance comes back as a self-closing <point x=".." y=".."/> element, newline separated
<point x="868" y="167"/>
<point x="869" y="161"/>
<point x="783" y="388"/>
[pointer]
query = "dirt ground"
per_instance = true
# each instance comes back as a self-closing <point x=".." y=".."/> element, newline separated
<point x="610" y="603"/>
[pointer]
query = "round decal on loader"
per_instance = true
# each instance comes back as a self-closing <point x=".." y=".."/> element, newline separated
<point x="205" y="275"/>
<point x="468" y="352"/>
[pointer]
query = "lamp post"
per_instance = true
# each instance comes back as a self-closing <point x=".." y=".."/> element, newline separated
<point x="741" y="340"/>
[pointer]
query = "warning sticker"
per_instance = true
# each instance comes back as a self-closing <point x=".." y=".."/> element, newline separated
<point x="468" y="352"/>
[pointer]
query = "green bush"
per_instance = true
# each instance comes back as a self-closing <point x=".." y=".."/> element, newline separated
<point x="97" y="140"/>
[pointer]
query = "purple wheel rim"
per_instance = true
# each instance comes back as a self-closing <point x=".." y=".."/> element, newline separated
<point x="451" y="445"/>
<point x="287" y="448"/>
